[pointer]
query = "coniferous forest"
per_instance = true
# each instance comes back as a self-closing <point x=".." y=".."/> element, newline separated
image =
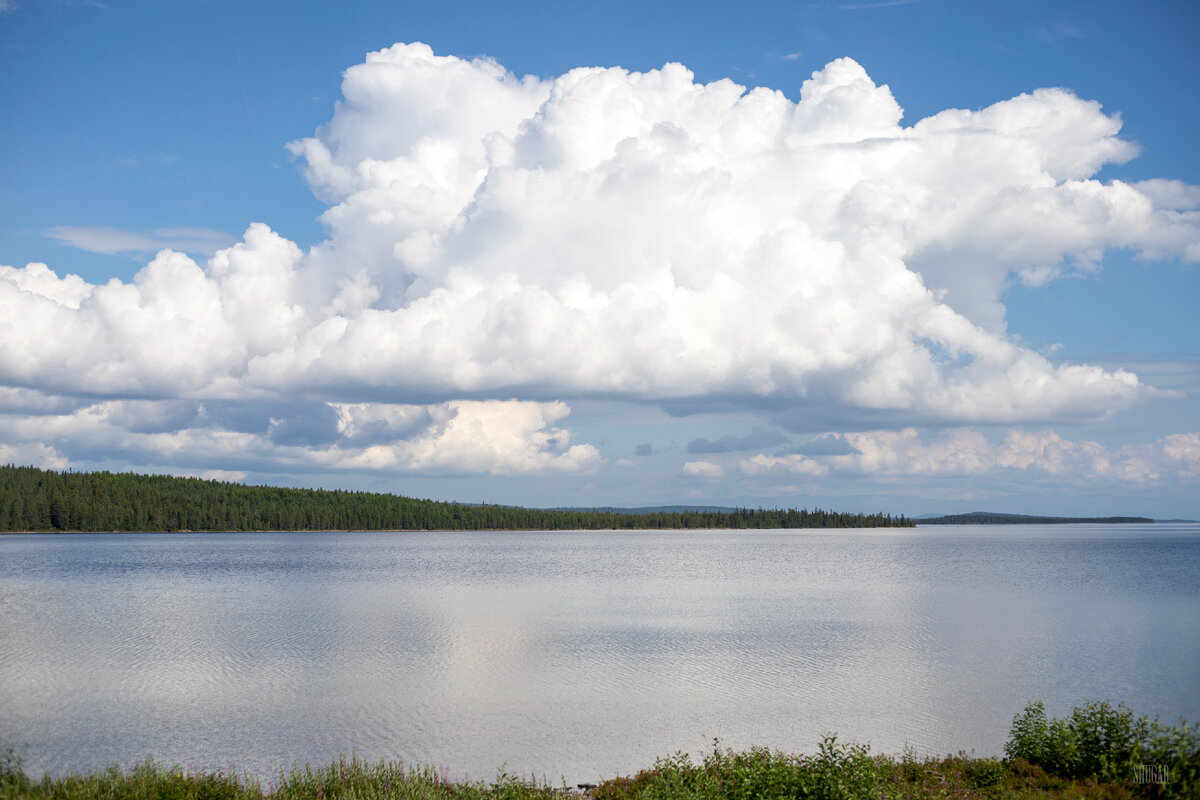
<point x="33" y="499"/>
<point x="992" y="518"/>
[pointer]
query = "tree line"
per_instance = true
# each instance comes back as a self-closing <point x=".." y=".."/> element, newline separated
<point x="33" y="499"/>
<point x="991" y="518"/>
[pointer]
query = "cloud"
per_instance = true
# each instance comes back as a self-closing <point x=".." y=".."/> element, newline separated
<point x="824" y="445"/>
<point x="39" y="280"/>
<point x="103" y="239"/>
<point x="224" y="475"/>
<point x="33" y="454"/>
<point x="8" y="6"/>
<point x="639" y="236"/>
<point x="794" y="464"/>
<point x="496" y="437"/>
<point x="27" y="401"/>
<point x="1061" y="29"/>
<point x="459" y="437"/>
<point x="1181" y="451"/>
<point x="1169" y="194"/>
<point x="879" y="4"/>
<point x="965" y="453"/>
<point x="157" y="159"/>
<point x="729" y="442"/>
<point x="703" y="469"/>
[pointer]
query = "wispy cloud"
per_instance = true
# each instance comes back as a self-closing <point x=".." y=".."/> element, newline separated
<point x="157" y="159"/>
<point x="109" y="240"/>
<point x="1059" y="30"/>
<point x="729" y="442"/>
<point x="880" y="4"/>
<point x="8" y="6"/>
<point x="792" y="56"/>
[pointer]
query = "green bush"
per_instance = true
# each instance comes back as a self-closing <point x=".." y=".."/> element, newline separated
<point x="980" y="773"/>
<point x="1050" y="744"/>
<point x="1109" y="745"/>
<point x="1178" y="749"/>
<point x="844" y="771"/>
<point x="838" y="771"/>
<point x="1108" y="741"/>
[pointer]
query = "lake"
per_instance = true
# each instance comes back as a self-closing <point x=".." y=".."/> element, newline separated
<point x="579" y="655"/>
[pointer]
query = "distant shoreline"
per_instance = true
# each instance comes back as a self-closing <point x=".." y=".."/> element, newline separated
<point x="991" y="518"/>
<point x="104" y="502"/>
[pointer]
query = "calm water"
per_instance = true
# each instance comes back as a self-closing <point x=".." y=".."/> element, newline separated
<point x="578" y="655"/>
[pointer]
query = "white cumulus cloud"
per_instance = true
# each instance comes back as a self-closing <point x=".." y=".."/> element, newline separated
<point x="33" y="454"/>
<point x="703" y="469"/>
<point x="967" y="453"/>
<point x="458" y="437"/>
<point x="635" y="235"/>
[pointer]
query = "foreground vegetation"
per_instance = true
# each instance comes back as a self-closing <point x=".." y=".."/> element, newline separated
<point x="33" y="499"/>
<point x="1099" y="752"/>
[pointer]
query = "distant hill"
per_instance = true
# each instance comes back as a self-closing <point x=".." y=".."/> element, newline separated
<point x="992" y="518"/>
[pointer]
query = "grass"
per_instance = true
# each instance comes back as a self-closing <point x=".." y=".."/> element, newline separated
<point x="1091" y="755"/>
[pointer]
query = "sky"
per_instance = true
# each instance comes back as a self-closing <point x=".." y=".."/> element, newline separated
<point x="914" y="256"/>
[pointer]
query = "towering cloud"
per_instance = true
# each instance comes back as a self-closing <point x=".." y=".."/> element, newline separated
<point x="636" y="235"/>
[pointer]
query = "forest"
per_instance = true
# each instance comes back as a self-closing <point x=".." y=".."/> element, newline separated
<point x="33" y="499"/>
<point x="992" y="518"/>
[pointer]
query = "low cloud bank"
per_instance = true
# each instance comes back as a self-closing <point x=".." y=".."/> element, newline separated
<point x="242" y="437"/>
<point x="966" y="453"/>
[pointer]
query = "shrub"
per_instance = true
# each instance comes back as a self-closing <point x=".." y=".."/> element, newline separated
<point x="981" y="773"/>
<point x="844" y="771"/>
<point x="838" y="771"/>
<point x="1050" y="744"/>
<point x="677" y="778"/>
<point x="1108" y="741"/>
<point x="1178" y="749"/>
<point x="1107" y="744"/>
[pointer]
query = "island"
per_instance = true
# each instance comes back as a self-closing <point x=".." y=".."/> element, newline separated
<point x="33" y="499"/>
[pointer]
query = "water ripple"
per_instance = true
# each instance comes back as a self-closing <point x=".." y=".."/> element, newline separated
<point x="581" y="654"/>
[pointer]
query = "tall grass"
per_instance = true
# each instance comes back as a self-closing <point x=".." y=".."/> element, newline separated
<point x="344" y="779"/>
<point x="1098" y="753"/>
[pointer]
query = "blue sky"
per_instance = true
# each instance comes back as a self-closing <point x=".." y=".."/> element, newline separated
<point x="425" y="272"/>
